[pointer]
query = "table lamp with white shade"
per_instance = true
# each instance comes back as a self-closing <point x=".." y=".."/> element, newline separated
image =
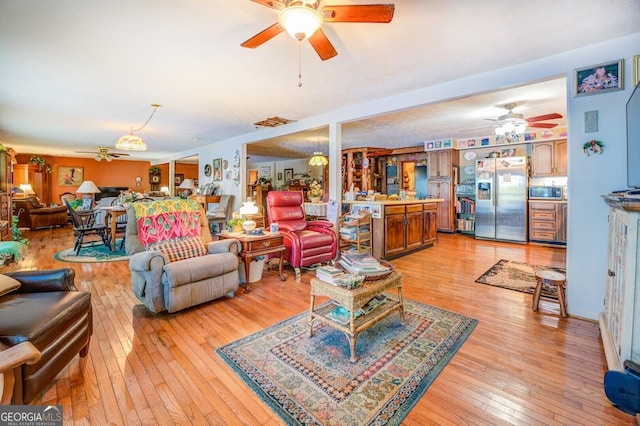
<point x="88" y="189"/>
<point x="27" y="190"/>
<point x="248" y="208"/>
<point x="187" y="187"/>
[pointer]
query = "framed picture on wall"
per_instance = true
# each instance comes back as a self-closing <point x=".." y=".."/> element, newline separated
<point x="279" y="176"/>
<point x="217" y="169"/>
<point x="600" y="78"/>
<point x="178" y="178"/>
<point x="70" y="176"/>
<point x="288" y="175"/>
<point x="265" y="171"/>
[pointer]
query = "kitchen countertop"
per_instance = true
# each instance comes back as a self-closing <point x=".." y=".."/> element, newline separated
<point x="396" y="202"/>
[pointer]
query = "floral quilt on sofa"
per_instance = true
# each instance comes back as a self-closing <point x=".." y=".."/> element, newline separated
<point x="168" y="220"/>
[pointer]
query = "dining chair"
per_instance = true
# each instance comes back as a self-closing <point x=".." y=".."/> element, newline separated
<point x="84" y="224"/>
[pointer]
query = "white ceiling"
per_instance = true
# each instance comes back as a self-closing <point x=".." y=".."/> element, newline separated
<point x="75" y="75"/>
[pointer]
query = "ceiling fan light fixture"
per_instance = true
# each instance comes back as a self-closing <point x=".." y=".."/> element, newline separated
<point x="300" y="21"/>
<point x="131" y="142"/>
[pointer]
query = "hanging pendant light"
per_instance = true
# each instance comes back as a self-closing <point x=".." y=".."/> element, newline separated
<point x="318" y="158"/>
<point x="132" y="142"/>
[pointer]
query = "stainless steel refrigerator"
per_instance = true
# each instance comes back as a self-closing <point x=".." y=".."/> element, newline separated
<point x="501" y="199"/>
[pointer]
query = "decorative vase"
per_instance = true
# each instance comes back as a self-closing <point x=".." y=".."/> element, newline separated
<point x="248" y="225"/>
<point x="314" y="199"/>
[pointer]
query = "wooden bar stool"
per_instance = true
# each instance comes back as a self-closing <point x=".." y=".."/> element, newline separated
<point x="552" y="278"/>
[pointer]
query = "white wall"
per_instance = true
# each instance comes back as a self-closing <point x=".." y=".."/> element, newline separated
<point x="589" y="177"/>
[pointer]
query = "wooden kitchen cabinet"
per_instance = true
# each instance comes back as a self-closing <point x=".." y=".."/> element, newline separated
<point x="549" y="158"/>
<point x="429" y="223"/>
<point x="442" y="188"/>
<point x="400" y="227"/>
<point x="394" y="232"/>
<point x="415" y="235"/>
<point x="439" y="164"/>
<point x="548" y="222"/>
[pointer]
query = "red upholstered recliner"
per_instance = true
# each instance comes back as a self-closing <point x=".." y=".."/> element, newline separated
<point x="306" y="242"/>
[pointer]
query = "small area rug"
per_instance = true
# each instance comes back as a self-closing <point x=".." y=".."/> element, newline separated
<point x="517" y="276"/>
<point x="310" y="380"/>
<point x="95" y="254"/>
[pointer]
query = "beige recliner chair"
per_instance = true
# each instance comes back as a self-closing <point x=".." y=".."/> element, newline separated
<point x="174" y="262"/>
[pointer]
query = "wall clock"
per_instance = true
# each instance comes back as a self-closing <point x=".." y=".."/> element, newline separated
<point x="207" y="170"/>
<point x="155" y="179"/>
<point x="225" y="164"/>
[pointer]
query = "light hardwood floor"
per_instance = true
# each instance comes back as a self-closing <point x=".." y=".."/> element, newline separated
<point x="517" y="367"/>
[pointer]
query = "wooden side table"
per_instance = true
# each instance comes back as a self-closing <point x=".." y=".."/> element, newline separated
<point x="257" y="245"/>
<point x="352" y="300"/>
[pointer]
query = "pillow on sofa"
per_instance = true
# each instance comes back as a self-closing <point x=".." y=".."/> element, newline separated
<point x="180" y="248"/>
<point x="8" y="284"/>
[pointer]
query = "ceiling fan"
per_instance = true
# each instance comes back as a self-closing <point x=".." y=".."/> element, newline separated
<point x="303" y="20"/>
<point x="511" y="118"/>
<point x="104" y="154"/>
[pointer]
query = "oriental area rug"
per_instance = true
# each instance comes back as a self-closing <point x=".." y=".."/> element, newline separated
<point x="310" y="380"/>
<point x="517" y="276"/>
<point x="95" y="254"/>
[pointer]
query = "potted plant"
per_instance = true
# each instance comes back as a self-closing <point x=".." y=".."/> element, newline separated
<point x="235" y="223"/>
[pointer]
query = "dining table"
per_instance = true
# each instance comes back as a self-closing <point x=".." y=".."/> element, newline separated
<point x="111" y="214"/>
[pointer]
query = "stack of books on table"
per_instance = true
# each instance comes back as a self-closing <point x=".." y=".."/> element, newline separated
<point x="329" y="274"/>
<point x="362" y="263"/>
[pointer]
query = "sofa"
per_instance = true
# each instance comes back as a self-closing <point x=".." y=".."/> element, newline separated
<point x="33" y="215"/>
<point x="48" y="311"/>
<point x="174" y="262"/>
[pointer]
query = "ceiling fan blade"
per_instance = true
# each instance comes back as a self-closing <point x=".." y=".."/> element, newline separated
<point x="551" y="116"/>
<point x="376" y="13"/>
<point x="263" y="36"/>
<point x="542" y="125"/>
<point x="118" y="154"/>
<point x="85" y="152"/>
<point x="322" y="45"/>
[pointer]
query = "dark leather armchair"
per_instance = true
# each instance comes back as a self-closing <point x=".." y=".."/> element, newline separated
<point x="47" y="311"/>
<point x="306" y="242"/>
<point x="31" y="214"/>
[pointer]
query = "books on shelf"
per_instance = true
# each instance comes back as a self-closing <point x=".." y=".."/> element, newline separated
<point x="342" y="315"/>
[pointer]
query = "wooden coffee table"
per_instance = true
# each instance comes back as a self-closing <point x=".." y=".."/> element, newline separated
<point x="352" y="300"/>
<point x="257" y="245"/>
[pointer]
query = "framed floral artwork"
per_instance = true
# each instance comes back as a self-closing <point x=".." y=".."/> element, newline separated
<point x="70" y="176"/>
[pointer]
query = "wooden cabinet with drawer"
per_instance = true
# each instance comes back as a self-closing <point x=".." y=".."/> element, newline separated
<point x="547" y="222"/>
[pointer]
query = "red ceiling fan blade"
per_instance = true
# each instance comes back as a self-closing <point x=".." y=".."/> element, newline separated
<point x="322" y="45"/>
<point x="542" y="125"/>
<point x="273" y="4"/>
<point x="263" y="36"/>
<point x="377" y="13"/>
<point x="551" y="116"/>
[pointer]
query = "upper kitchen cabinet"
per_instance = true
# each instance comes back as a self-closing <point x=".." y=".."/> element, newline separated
<point x="439" y="164"/>
<point x="549" y="158"/>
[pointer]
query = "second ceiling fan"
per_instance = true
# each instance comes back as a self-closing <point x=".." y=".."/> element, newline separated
<point x="303" y="20"/>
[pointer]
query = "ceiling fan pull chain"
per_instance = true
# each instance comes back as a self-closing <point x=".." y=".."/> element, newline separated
<point x="299" y="64"/>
